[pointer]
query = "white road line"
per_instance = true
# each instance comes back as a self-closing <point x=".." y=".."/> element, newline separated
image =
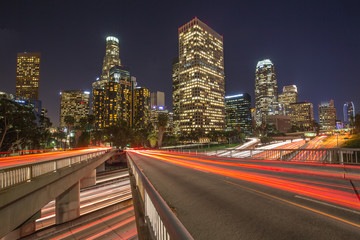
<point x="327" y="204"/>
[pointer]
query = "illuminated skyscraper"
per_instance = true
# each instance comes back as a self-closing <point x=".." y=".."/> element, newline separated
<point x="112" y="93"/>
<point x="302" y="115"/>
<point x="327" y="115"/>
<point x="74" y="103"/>
<point x="288" y="96"/>
<point x="266" y="90"/>
<point x="111" y="58"/>
<point x="349" y="113"/>
<point x="201" y="88"/>
<point x="28" y="75"/>
<point x="238" y="112"/>
<point x="141" y="107"/>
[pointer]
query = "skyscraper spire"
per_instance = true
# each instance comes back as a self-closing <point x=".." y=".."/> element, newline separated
<point x="111" y="58"/>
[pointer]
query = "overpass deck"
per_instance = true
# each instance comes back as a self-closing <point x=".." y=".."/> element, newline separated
<point x="224" y="198"/>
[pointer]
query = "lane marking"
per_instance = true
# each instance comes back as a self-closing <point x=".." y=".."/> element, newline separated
<point x="295" y="204"/>
<point x="327" y="204"/>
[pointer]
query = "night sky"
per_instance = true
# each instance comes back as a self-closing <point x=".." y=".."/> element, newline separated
<point x="313" y="44"/>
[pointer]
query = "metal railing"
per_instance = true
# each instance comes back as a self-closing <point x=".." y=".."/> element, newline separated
<point x="325" y="155"/>
<point x="12" y="175"/>
<point x="161" y="221"/>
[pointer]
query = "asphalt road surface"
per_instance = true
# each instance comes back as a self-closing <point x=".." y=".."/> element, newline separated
<point x="223" y="198"/>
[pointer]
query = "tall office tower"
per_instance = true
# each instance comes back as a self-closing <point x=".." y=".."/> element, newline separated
<point x="141" y="107"/>
<point x="349" y="113"/>
<point x="266" y="90"/>
<point x="302" y="115"/>
<point x="121" y="75"/>
<point x="157" y="99"/>
<point x="176" y="95"/>
<point x="287" y="97"/>
<point x="74" y="103"/>
<point x="327" y="115"/>
<point x="201" y="78"/>
<point x="28" y="75"/>
<point x="238" y="113"/>
<point x="111" y="58"/>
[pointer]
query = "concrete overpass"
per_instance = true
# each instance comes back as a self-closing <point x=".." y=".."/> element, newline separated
<point x="29" y="183"/>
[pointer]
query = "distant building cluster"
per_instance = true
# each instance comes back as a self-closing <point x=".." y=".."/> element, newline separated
<point x="198" y="93"/>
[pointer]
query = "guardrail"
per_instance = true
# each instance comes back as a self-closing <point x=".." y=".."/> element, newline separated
<point x="324" y="155"/>
<point x="12" y="175"/>
<point x="160" y="220"/>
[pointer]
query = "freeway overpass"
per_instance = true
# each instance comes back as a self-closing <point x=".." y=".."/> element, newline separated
<point x="229" y="198"/>
<point x="29" y="182"/>
<point x="190" y="196"/>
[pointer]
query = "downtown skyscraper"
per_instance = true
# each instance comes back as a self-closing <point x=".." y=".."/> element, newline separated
<point x="266" y="91"/>
<point x="349" y="113"/>
<point x="199" y="96"/>
<point x="327" y="115"/>
<point x="74" y="103"/>
<point x="28" y="75"/>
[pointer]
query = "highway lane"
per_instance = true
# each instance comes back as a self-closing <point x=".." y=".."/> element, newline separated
<point x="240" y="199"/>
<point x="23" y="159"/>
<point x="114" y="222"/>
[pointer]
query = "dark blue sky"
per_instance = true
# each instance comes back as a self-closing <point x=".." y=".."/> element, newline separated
<point x="313" y="44"/>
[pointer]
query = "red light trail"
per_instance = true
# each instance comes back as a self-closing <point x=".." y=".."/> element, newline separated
<point x="309" y="188"/>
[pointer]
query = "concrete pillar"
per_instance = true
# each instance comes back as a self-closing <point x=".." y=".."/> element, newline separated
<point x="25" y="229"/>
<point x="67" y="204"/>
<point x="89" y="180"/>
<point x="101" y="168"/>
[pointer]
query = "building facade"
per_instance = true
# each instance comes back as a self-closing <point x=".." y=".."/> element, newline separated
<point x="288" y="96"/>
<point x="201" y="87"/>
<point x="74" y="103"/>
<point x="157" y="99"/>
<point x="141" y="107"/>
<point x="176" y="95"/>
<point x="349" y="113"/>
<point x="266" y="91"/>
<point x="302" y="115"/>
<point x="327" y="115"/>
<point x="238" y="113"/>
<point x="28" y="75"/>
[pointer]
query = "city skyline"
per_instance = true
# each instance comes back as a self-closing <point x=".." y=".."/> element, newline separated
<point x="314" y="62"/>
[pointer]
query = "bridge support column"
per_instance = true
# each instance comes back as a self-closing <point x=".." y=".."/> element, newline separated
<point x="25" y="229"/>
<point x="67" y="204"/>
<point x="89" y="180"/>
<point x="101" y="168"/>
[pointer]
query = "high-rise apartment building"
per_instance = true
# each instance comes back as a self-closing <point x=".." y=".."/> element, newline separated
<point x="201" y="87"/>
<point x="349" y="113"/>
<point x="266" y="91"/>
<point x="327" y="115"/>
<point x="28" y="75"/>
<point x="157" y="99"/>
<point x="288" y="96"/>
<point x="141" y="107"/>
<point x="238" y="112"/>
<point x="74" y="103"/>
<point x="302" y="115"/>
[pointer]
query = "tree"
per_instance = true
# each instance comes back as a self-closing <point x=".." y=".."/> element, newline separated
<point x="18" y="128"/>
<point x="119" y="134"/>
<point x="69" y="121"/>
<point x="153" y="137"/>
<point x="80" y="128"/>
<point x="162" y="123"/>
<point x="357" y="123"/>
